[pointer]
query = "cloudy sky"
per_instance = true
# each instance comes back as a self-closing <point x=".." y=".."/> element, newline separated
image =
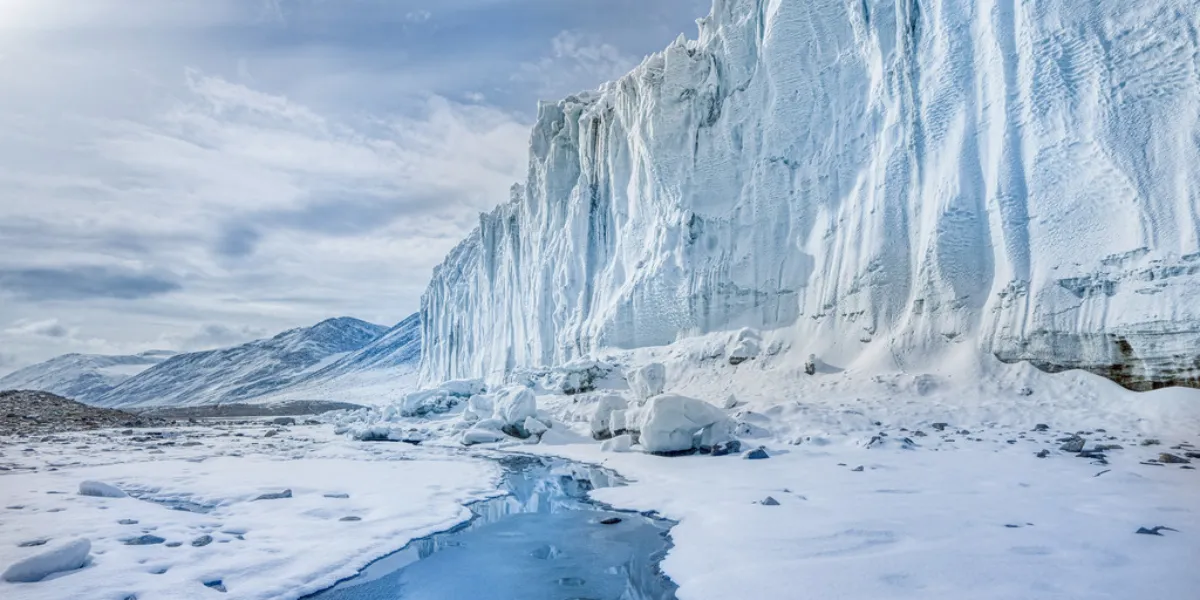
<point x="184" y="174"/>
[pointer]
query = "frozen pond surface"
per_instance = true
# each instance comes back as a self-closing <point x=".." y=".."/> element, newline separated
<point x="543" y="541"/>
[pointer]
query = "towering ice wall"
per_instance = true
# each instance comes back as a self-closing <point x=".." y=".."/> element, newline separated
<point x="1021" y="177"/>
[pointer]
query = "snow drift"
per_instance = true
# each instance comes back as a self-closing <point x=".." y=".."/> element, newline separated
<point x="880" y="179"/>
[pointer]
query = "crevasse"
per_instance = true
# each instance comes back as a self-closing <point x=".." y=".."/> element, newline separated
<point x="874" y="177"/>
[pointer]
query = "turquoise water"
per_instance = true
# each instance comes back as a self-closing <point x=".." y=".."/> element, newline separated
<point x="544" y="541"/>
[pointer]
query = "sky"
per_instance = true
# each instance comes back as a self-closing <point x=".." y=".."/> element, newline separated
<point x="189" y="174"/>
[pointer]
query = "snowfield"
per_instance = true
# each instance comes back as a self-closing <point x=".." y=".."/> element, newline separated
<point x="964" y="483"/>
<point x="193" y="516"/>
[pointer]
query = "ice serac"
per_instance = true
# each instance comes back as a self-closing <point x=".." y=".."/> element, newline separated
<point x="875" y="177"/>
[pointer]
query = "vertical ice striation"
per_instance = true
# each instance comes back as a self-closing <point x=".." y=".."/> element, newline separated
<point x="877" y="176"/>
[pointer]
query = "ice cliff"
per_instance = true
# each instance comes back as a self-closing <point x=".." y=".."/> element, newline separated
<point x="879" y="179"/>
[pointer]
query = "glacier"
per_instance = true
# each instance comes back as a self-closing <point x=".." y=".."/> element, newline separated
<point x="873" y="182"/>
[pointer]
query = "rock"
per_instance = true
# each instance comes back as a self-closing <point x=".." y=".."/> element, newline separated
<point x="350" y="519"/>
<point x="810" y="365"/>
<point x="726" y="448"/>
<point x="647" y="381"/>
<point x="758" y="453"/>
<point x="338" y="495"/>
<point x="283" y="421"/>
<point x="1192" y="454"/>
<point x="68" y="557"/>
<point x="1172" y="459"/>
<point x="1073" y="445"/>
<point x="174" y="544"/>
<point x="202" y="541"/>
<point x="275" y="495"/>
<point x="769" y="501"/>
<point x="919" y="433"/>
<point x="621" y="443"/>
<point x="100" y="490"/>
<point x="1150" y="442"/>
<point x="215" y="584"/>
<point x="271" y="433"/>
<point x="32" y="543"/>
<point x="143" y="540"/>
<point x="610" y="521"/>
<point x="127" y="522"/>
<point x="1107" y="447"/>
<point x="671" y="423"/>
<point x="1154" y="530"/>
<point x="1042" y="453"/>
<point x="940" y="426"/>
<point x="858" y="469"/>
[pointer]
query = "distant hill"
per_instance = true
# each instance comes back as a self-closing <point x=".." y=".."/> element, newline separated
<point x="246" y="372"/>
<point x="82" y="377"/>
<point x="383" y="370"/>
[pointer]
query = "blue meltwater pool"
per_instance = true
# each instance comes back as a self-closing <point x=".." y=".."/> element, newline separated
<point x="543" y="541"/>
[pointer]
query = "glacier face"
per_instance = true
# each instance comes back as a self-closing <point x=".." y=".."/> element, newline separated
<point x="878" y="177"/>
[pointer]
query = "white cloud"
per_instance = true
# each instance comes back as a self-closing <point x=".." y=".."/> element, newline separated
<point x="576" y="62"/>
<point x="214" y="335"/>
<point x="264" y="164"/>
<point x="48" y="328"/>
<point x="418" y="16"/>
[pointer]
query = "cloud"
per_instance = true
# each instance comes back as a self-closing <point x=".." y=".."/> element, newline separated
<point x="82" y="283"/>
<point x="264" y="164"/>
<point x="577" y="62"/>
<point x="216" y="335"/>
<point x="418" y="16"/>
<point x="48" y="328"/>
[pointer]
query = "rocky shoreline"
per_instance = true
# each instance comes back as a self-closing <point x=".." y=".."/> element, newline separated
<point x="28" y="412"/>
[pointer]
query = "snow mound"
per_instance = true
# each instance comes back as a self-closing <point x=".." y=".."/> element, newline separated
<point x="647" y="380"/>
<point x="68" y="557"/>
<point x="513" y="406"/>
<point x="621" y="443"/>
<point x="477" y="435"/>
<point x="603" y="424"/>
<point x="673" y="423"/>
<point x="747" y="344"/>
<point x="441" y="399"/>
<point x="100" y="489"/>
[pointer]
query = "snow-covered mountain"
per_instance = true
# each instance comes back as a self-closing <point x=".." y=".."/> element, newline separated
<point x="380" y="372"/>
<point x="881" y="182"/>
<point x="244" y="373"/>
<point x="82" y="377"/>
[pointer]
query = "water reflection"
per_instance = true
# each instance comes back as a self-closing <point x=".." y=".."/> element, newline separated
<point x="543" y="540"/>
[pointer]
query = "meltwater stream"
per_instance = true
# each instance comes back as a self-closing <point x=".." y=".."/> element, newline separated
<point x="543" y="541"/>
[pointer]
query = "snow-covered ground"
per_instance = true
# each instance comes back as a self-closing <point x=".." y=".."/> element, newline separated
<point x="885" y="485"/>
<point x="978" y="519"/>
<point x="350" y="502"/>
<point x="893" y="485"/>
